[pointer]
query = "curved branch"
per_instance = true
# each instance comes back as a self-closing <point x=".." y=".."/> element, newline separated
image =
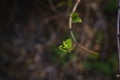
<point x="71" y="32"/>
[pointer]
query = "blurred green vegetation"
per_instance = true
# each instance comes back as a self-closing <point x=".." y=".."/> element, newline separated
<point x="60" y="57"/>
<point x="97" y="64"/>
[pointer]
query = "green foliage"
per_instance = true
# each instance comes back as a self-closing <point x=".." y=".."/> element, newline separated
<point x="95" y="64"/>
<point x="66" y="58"/>
<point x="60" y="57"/>
<point x="66" y="45"/>
<point x="75" y="18"/>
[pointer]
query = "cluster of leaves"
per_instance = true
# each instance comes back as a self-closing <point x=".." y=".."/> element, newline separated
<point x="64" y="52"/>
<point x="67" y="45"/>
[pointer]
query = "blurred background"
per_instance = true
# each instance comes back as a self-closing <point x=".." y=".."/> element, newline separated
<point x="32" y="30"/>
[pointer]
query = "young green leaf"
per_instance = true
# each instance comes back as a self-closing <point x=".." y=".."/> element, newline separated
<point x="66" y="45"/>
<point x="75" y="18"/>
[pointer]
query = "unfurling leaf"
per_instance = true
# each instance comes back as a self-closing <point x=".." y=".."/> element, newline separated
<point x="66" y="45"/>
<point x="75" y="18"/>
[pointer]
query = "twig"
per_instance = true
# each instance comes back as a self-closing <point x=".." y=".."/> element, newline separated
<point x="90" y="51"/>
<point x="75" y="6"/>
<point x="71" y="32"/>
<point x="70" y="20"/>
<point x="73" y="11"/>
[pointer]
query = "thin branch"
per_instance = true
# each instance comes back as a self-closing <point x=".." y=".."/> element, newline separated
<point x="75" y="6"/>
<point x="70" y="20"/>
<point x="71" y="32"/>
<point x="84" y="48"/>
<point x="73" y="36"/>
<point x="73" y="11"/>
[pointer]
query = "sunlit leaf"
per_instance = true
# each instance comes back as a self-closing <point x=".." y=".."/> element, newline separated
<point x="75" y="18"/>
<point x="66" y="45"/>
